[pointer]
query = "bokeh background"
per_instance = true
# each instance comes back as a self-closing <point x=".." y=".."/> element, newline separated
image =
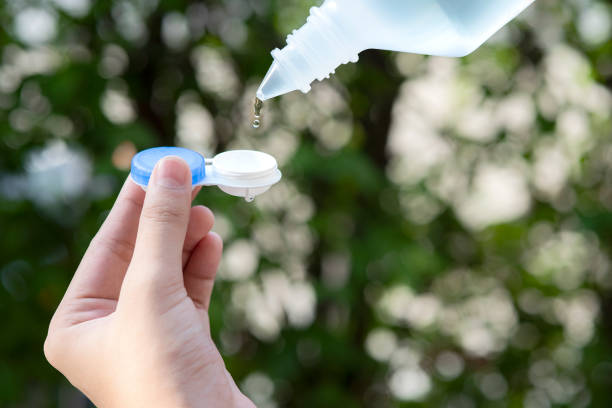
<point x="441" y="237"/>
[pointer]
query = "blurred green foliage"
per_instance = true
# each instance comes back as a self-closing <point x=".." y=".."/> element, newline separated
<point x="441" y="236"/>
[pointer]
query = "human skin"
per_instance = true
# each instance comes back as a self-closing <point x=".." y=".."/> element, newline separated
<point x="132" y="329"/>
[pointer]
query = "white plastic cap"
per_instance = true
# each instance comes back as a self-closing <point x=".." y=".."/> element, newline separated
<point x="243" y="173"/>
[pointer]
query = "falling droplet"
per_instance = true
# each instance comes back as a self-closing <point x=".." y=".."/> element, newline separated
<point x="248" y="197"/>
<point x="258" y="105"/>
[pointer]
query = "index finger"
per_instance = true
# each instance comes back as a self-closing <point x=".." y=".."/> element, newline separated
<point x="103" y="266"/>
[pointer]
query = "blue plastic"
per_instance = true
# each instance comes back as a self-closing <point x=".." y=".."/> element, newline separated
<point x="144" y="163"/>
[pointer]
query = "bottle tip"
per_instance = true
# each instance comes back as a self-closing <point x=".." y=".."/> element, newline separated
<point x="274" y="84"/>
<point x="260" y="95"/>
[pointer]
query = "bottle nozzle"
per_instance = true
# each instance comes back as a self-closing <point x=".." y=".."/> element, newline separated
<point x="275" y="83"/>
<point x="312" y="52"/>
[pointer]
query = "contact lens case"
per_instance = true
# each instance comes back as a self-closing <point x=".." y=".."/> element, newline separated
<point x="241" y="173"/>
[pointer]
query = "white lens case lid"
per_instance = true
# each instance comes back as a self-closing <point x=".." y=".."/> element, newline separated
<point x="248" y="168"/>
<point x="242" y="173"/>
<point x="244" y="164"/>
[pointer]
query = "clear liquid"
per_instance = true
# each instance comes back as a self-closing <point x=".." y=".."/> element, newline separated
<point x="257" y="106"/>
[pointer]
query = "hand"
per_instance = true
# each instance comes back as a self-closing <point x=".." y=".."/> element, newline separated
<point x="132" y="329"/>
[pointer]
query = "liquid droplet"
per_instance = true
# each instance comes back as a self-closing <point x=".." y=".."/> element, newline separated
<point x="257" y="106"/>
<point x="248" y="196"/>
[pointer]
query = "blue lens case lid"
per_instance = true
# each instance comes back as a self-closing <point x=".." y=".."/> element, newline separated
<point x="144" y="162"/>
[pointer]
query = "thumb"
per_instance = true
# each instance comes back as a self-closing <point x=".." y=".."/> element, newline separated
<point x="163" y="223"/>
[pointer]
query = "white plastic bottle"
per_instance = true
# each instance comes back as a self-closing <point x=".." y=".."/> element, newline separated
<point x="339" y="30"/>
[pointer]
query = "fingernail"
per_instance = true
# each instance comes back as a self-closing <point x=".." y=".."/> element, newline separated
<point x="172" y="172"/>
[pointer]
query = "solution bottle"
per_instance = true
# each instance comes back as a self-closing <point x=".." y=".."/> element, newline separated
<point x="339" y="30"/>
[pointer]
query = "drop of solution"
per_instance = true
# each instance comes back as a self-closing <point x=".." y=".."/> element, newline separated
<point x="258" y="105"/>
